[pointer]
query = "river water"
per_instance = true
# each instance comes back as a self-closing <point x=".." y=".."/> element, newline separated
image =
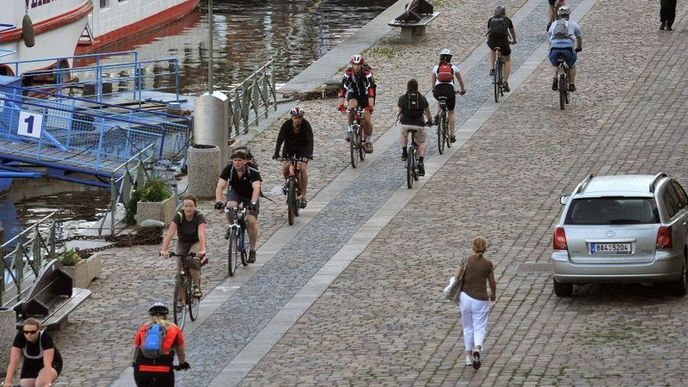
<point x="248" y="33"/>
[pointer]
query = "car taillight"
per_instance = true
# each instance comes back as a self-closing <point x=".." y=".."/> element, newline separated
<point x="664" y="237"/>
<point x="559" y="239"/>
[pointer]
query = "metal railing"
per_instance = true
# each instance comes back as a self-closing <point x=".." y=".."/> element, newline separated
<point x="257" y="92"/>
<point x="31" y="247"/>
<point x="78" y="126"/>
<point x="102" y="76"/>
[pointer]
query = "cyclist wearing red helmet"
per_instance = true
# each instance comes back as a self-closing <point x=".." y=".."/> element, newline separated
<point x="297" y="135"/>
<point x="358" y="88"/>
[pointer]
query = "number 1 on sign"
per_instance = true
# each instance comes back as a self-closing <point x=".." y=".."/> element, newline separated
<point x="30" y="124"/>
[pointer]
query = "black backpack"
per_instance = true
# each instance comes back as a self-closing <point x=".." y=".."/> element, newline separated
<point x="499" y="28"/>
<point x="413" y="106"/>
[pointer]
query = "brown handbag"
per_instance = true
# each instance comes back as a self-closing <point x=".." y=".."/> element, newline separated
<point x="458" y="284"/>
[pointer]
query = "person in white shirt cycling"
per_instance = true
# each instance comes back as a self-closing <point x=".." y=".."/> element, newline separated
<point x="563" y="33"/>
<point x="443" y="76"/>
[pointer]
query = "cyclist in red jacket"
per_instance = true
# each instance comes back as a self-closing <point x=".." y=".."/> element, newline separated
<point x="358" y="88"/>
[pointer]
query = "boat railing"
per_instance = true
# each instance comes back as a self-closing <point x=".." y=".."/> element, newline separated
<point x="115" y="76"/>
<point x="256" y="94"/>
<point x="23" y="256"/>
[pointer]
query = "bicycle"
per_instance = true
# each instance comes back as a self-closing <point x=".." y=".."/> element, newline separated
<point x="498" y="74"/>
<point x="443" y="136"/>
<point x="563" y="82"/>
<point x="412" y="155"/>
<point x="183" y="292"/>
<point x="357" y="137"/>
<point x="292" y="187"/>
<point x="237" y="248"/>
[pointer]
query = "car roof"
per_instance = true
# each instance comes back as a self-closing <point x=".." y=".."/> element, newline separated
<point x="618" y="185"/>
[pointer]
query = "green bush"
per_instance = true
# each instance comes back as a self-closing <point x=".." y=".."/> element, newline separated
<point x="68" y="257"/>
<point x="155" y="190"/>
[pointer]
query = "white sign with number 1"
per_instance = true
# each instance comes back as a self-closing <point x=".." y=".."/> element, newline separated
<point x="30" y="124"/>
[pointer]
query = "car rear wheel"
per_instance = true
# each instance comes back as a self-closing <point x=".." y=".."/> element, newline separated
<point x="680" y="287"/>
<point x="562" y="290"/>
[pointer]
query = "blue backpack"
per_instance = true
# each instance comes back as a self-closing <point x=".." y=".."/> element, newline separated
<point x="152" y="342"/>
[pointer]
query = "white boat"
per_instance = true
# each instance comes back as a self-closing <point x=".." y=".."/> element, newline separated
<point x="57" y="25"/>
<point x="113" y="20"/>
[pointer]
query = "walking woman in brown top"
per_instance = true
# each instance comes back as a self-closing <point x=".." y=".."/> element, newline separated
<point x="474" y="300"/>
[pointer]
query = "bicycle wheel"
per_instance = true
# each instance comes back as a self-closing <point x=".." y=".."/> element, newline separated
<point x="496" y="80"/>
<point x="501" y="78"/>
<point x="562" y="91"/>
<point x="440" y="138"/>
<point x="361" y="139"/>
<point x="352" y="147"/>
<point x="232" y="252"/>
<point x="410" y="166"/>
<point x="291" y="200"/>
<point x="445" y="122"/>
<point x="194" y="303"/>
<point x="242" y="239"/>
<point x="178" y="304"/>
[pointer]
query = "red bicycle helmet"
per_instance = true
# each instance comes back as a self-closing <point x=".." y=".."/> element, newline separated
<point x="357" y="59"/>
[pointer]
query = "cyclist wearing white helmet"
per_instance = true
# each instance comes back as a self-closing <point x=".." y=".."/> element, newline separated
<point x="297" y="135"/>
<point x="563" y="33"/>
<point x="498" y="29"/>
<point x="358" y="89"/>
<point x="443" y="76"/>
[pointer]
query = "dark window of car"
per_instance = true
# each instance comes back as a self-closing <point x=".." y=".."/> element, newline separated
<point x="670" y="201"/>
<point x="612" y="210"/>
<point x="683" y="198"/>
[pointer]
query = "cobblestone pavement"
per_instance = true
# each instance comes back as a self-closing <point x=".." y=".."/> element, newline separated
<point x="383" y="320"/>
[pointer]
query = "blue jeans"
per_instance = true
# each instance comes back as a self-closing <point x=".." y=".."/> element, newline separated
<point x="568" y="54"/>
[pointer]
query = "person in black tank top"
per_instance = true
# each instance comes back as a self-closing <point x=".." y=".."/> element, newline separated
<point x="36" y="347"/>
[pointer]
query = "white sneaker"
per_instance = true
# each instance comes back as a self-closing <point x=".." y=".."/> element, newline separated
<point x="469" y="361"/>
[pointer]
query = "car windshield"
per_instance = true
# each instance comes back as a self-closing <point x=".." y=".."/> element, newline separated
<point x="613" y="210"/>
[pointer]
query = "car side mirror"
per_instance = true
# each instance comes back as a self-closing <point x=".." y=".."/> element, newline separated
<point x="563" y="199"/>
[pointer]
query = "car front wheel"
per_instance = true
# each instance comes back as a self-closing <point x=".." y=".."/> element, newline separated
<point x="562" y="290"/>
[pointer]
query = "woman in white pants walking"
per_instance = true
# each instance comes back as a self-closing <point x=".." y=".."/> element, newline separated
<point x="474" y="300"/>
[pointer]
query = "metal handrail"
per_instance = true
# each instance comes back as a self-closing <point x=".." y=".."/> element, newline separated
<point x="256" y="92"/>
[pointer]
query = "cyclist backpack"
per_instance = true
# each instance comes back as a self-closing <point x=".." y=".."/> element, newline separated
<point x="152" y="341"/>
<point x="499" y="28"/>
<point x="413" y="108"/>
<point x="445" y="72"/>
<point x="561" y="29"/>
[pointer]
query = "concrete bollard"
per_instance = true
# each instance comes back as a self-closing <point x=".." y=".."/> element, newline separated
<point x="8" y="330"/>
<point x="210" y="122"/>
<point x="204" y="164"/>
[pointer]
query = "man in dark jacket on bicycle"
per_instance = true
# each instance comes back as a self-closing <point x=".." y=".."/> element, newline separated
<point x="243" y="183"/>
<point x="297" y="136"/>
<point x="412" y="105"/>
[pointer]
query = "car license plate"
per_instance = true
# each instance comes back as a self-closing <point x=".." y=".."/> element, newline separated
<point x="610" y="248"/>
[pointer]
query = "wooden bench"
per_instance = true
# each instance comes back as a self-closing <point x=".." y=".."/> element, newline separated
<point x="418" y="14"/>
<point x="51" y="297"/>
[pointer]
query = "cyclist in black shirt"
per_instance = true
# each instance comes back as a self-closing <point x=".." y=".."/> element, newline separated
<point x="297" y="136"/>
<point x="242" y="182"/>
<point x="41" y="364"/>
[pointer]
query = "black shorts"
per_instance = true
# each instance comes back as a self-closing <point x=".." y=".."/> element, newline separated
<point x="235" y="197"/>
<point x="445" y="90"/>
<point x="153" y="379"/>
<point x="362" y="100"/>
<point x="503" y="47"/>
<point x="30" y="369"/>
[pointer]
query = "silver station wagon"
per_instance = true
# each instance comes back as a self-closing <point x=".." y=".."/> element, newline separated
<point x="625" y="228"/>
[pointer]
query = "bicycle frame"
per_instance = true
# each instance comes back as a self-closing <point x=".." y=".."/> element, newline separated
<point x="443" y="126"/>
<point x="183" y="291"/>
<point x="563" y="82"/>
<point x="412" y="155"/>
<point x="498" y="76"/>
